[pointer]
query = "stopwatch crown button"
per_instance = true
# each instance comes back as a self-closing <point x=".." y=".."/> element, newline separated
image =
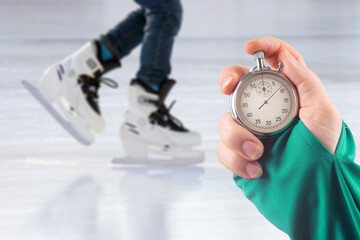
<point x="259" y="54"/>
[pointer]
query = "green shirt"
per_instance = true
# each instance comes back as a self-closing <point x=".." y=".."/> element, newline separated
<point x="305" y="190"/>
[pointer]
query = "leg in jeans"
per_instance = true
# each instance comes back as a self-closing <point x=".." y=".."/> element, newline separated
<point x="125" y="36"/>
<point x="163" y="20"/>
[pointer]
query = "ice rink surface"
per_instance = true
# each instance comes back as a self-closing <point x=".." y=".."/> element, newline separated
<point x="53" y="188"/>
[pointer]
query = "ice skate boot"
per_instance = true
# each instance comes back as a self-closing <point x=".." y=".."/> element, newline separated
<point x="151" y="135"/>
<point x="69" y="91"/>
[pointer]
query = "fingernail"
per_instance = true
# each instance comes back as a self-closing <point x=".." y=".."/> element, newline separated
<point x="225" y="80"/>
<point x="253" y="170"/>
<point x="252" y="150"/>
<point x="291" y="56"/>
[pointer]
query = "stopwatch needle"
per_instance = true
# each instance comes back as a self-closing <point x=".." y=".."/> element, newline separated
<point x="264" y="89"/>
<point x="267" y="101"/>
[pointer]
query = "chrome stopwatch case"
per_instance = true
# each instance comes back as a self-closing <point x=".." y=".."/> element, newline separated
<point x="265" y="101"/>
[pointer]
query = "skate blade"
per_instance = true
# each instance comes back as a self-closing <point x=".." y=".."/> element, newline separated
<point x="86" y="140"/>
<point x="156" y="162"/>
<point x="190" y="158"/>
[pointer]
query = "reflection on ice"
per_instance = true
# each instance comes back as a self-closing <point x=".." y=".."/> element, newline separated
<point x="146" y="199"/>
<point x="148" y="195"/>
<point x="74" y="213"/>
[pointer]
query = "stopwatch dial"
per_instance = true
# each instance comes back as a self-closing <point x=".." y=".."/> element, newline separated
<point x="264" y="88"/>
<point x="266" y="102"/>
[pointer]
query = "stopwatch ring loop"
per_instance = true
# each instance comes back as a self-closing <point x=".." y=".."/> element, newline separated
<point x="255" y="68"/>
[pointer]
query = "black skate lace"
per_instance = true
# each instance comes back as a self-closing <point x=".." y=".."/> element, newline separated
<point x="172" y="117"/>
<point x="108" y="82"/>
<point x="163" y="117"/>
<point x="90" y="87"/>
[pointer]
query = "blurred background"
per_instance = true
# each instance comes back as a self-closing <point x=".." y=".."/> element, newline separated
<point x="53" y="188"/>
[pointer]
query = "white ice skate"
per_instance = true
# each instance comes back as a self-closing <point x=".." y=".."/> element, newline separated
<point x="151" y="135"/>
<point x="68" y="91"/>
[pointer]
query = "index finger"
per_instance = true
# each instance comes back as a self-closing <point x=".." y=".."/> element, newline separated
<point x="272" y="47"/>
<point x="230" y="77"/>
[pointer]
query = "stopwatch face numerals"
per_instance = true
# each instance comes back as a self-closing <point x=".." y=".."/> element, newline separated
<point x="265" y="102"/>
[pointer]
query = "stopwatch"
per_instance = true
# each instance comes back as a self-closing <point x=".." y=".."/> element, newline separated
<point x="265" y="101"/>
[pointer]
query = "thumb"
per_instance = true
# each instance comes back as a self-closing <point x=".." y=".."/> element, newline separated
<point x="309" y="86"/>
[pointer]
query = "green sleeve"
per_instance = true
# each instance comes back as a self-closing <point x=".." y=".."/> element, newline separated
<point x="305" y="190"/>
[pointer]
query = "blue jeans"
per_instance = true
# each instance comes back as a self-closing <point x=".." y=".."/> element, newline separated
<point x="155" y="25"/>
